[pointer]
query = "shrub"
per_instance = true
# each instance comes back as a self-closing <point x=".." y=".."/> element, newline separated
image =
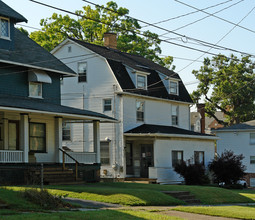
<point x="43" y="198"/>
<point x="193" y="174"/>
<point x="227" y="168"/>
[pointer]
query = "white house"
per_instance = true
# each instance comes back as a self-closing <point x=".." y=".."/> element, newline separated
<point x="240" y="139"/>
<point x="150" y="102"/>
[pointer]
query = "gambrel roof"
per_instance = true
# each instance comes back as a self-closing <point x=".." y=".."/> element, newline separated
<point x="118" y="62"/>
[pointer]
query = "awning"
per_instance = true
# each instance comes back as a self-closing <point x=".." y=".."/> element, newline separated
<point x="38" y="76"/>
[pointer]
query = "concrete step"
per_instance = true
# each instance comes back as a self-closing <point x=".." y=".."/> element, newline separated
<point x="176" y="193"/>
<point x="184" y="196"/>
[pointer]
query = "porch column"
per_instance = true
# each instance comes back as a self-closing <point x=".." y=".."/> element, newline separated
<point x="5" y="122"/>
<point x="96" y="140"/>
<point x="58" y="138"/>
<point x="24" y="136"/>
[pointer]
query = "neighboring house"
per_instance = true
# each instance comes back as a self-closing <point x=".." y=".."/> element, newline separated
<point x="150" y="102"/>
<point x="240" y="139"/>
<point x="31" y="114"/>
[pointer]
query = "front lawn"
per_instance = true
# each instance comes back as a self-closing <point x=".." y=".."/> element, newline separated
<point x="241" y="212"/>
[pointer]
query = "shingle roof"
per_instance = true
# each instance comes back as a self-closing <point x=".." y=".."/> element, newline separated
<point x="28" y="53"/>
<point x="249" y="125"/>
<point x="8" y="12"/>
<point x="161" y="129"/>
<point x="43" y="106"/>
<point x="118" y="60"/>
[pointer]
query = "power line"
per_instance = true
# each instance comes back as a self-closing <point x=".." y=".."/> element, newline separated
<point x="230" y="22"/>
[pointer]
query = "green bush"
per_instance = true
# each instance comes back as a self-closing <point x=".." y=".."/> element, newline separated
<point x="193" y="174"/>
<point x="43" y="198"/>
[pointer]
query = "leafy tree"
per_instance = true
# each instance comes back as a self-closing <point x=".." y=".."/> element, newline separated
<point x="227" y="168"/>
<point x="193" y="174"/>
<point x="23" y="31"/>
<point x="231" y="83"/>
<point x="90" y="26"/>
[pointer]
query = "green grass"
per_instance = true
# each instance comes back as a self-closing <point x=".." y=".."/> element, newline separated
<point x="91" y="215"/>
<point x="241" y="212"/>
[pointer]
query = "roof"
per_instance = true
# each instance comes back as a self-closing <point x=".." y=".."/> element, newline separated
<point x="27" y="104"/>
<point x="119" y="60"/>
<point x="161" y="129"/>
<point x="249" y="125"/>
<point x="8" y="12"/>
<point x="28" y="53"/>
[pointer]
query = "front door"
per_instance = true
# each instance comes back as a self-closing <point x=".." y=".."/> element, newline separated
<point x="129" y="159"/>
<point x="147" y="159"/>
<point x="13" y="137"/>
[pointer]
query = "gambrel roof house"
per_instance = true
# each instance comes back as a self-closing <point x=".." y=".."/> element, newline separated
<point x="240" y="138"/>
<point x="31" y="113"/>
<point x="150" y="102"/>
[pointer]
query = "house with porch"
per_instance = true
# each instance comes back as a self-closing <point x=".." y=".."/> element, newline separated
<point x="31" y="114"/>
<point x="150" y="102"/>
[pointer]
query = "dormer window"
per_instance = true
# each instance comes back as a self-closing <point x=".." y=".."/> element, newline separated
<point x="4" y="28"/>
<point x="141" y="82"/>
<point x="173" y="87"/>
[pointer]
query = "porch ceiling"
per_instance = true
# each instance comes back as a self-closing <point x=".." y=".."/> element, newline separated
<point x="33" y="105"/>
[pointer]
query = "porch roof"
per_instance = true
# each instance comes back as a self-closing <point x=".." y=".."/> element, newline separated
<point x="170" y="131"/>
<point x="33" y="105"/>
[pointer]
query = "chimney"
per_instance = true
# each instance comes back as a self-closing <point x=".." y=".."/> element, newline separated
<point x="201" y="110"/>
<point x="110" y="40"/>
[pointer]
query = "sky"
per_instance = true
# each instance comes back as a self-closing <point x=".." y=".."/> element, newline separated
<point x="232" y="26"/>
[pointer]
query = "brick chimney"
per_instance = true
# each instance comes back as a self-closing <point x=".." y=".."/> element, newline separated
<point x="201" y="110"/>
<point x="110" y="40"/>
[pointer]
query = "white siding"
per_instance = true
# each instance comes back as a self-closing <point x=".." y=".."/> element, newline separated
<point x="239" y="143"/>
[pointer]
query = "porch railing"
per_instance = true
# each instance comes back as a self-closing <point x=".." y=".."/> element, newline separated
<point x="82" y="157"/>
<point x="11" y="156"/>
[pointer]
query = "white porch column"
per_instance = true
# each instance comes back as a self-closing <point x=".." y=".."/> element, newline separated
<point x="5" y="122"/>
<point x="58" y="139"/>
<point x="24" y="136"/>
<point x="96" y="140"/>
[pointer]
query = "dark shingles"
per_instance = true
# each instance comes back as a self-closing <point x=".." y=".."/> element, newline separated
<point x="43" y="106"/>
<point x="117" y="60"/>
<point x="8" y="12"/>
<point x="249" y="125"/>
<point x="161" y="129"/>
<point x="29" y="53"/>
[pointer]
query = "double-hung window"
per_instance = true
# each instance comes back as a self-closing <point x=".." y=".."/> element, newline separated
<point x="252" y="138"/>
<point x="66" y="132"/>
<point x="140" y="111"/>
<point x="37" y="137"/>
<point x="107" y="105"/>
<point x="175" y="110"/>
<point x="173" y="87"/>
<point x="82" y="72"/>
<point x="141" y="82"/>
<point x="4" y="28"/>
<point x="35" y="89"/>
<point x="252" y="159"/>
<point x="199" y="157"/>
<point x="177" y="157"/>
<point x="105" y="153"/>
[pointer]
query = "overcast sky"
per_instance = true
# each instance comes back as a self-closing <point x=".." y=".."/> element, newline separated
<point x="223" y="28"/>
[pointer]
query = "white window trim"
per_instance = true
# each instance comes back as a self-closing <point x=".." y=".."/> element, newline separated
<point x="31" y="96"/>
<point x="9" y="29"/>
<point x="78" y="63"/>
<point x="104" y="105"/>
<point x="71" y="133"/>
<point x="140" y="121"/>
<point x="177" y="83"/>
<point x="145" y="77"/>
<point x="177" y="111"/>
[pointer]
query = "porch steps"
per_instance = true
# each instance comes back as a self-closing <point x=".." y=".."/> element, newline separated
<point x="140" y="180"/>
<point x="184" y="196"/>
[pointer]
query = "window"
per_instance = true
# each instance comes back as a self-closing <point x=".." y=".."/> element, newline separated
<point x="104" y="152"/>
<point x="141" y="82"/>
<point x="66" y="132"/>
<point x="174" y="115"/>
<point x="177" y="157"/>
<point x="107" y="105"/>
<point x="4" y="28"/>
<point x="199" y="157"/>
<point x="252" y="138"/>
<point x="37" y="137"/>
<point x="35" y="89"/>
<point x="139" y="111"/>
<point x="252" y="159"/>
<point x="173" y="88"/>
<point x="82" y="72"/>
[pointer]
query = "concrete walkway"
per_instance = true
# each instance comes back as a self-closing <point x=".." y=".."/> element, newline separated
<point x="164" y="210"/>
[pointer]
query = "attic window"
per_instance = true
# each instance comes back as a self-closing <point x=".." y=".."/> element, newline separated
<point x="173" y="87"/>
<point x="141" y="82"/>
<point x="4" y="28"/>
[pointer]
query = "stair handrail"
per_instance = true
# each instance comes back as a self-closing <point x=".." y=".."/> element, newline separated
<point x="63" y="162"/>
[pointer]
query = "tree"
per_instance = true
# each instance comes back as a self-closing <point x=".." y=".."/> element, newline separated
<point x="227" y="168"/>
<point x="90" y="26"/>
<point x="231" y="82"/>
